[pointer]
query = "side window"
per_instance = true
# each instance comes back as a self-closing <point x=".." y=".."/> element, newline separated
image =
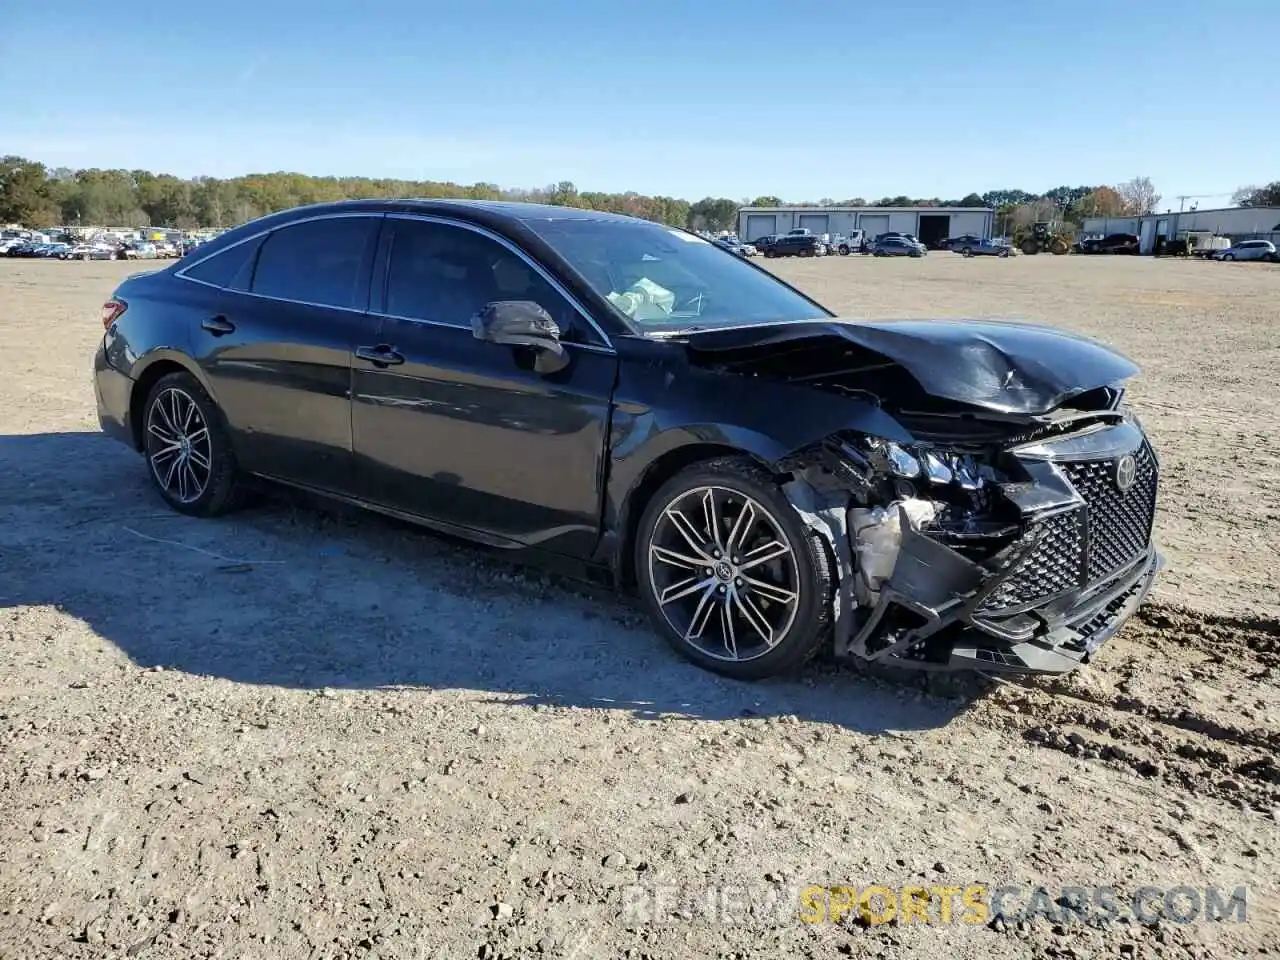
<point x="446" y="274"/>
<point x="232" y="268"/>
<point x="320" y="261"/>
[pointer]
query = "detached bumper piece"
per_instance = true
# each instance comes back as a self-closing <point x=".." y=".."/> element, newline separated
<point x="1074" y="638"/>
<point x="1047" y="602"/>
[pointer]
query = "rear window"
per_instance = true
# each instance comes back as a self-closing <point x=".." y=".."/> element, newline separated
<point x="231" y="268"/>
<point x="319" y="261"/>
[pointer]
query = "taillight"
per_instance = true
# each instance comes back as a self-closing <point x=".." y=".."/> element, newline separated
<point x="112" y="310"/>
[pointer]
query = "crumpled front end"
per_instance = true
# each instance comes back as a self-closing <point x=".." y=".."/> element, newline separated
<point x="1020" y="550"/>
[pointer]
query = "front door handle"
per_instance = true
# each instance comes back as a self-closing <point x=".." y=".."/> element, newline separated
<point x="380" y="356"/>
<point x="218" y="326"/>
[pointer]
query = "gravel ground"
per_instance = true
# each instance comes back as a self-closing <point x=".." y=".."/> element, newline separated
<point x="298" y="733"/>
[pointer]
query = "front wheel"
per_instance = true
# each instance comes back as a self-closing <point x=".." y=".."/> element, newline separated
<point x="188" y="451"/>
<point x="730" y="574"/>
<point x="1228" y="257"/>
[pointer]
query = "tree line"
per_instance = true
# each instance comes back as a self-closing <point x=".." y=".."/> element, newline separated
<point x="34" y="195"/>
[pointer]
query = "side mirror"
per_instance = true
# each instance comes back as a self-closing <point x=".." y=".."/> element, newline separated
<point x="517" y="323"/>
<point x="522" y="323"/>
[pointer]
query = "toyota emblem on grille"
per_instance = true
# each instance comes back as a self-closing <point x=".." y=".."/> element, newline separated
<point x="1126" y="472"/>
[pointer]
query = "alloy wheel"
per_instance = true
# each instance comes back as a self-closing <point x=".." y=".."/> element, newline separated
<point x="723" y="573"/>
<point x="179" y="448"/>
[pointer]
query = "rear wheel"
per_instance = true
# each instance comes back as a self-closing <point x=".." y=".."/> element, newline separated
<point x="187" y="447"/>
<point x="730" y="574"/>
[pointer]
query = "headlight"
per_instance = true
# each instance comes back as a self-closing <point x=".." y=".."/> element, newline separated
<point x="941" y="467"/>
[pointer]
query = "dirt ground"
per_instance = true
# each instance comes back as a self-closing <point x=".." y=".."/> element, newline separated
<point x="296" y="733"/>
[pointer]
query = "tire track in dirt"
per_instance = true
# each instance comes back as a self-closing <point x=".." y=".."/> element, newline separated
<point x="1140" y="713"/>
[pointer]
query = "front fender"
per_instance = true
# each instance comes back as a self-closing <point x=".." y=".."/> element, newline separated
<point x="662" y="409"/>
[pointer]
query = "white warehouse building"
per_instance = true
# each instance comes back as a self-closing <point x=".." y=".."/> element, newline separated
<point x="928" y="224"/>
<point x="1234" y="222"/>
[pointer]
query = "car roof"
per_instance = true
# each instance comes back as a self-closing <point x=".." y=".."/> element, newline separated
<point x="507" y="217"/>
<point x="464" y="209"/>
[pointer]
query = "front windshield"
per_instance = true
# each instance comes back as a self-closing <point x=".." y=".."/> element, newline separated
<point x="665" y="280"/>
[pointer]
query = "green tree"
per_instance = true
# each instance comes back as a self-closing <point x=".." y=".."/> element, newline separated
<point x="713" y="213"/>
<point x="26" y="193"/>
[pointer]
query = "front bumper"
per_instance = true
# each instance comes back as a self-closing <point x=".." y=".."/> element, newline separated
<point x="929" y="616"/>
<point x="1073" y="638"/>
<point x="1045" y="603"/>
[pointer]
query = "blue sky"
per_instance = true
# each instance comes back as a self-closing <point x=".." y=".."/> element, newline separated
<point x="801" y="100"/>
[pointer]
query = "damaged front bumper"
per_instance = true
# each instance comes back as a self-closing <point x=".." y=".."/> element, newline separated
<point x="1082" y="564"/>
<point x="930" y="615"/>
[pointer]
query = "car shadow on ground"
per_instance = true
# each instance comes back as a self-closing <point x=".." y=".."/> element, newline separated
<point x="291" y="594"/>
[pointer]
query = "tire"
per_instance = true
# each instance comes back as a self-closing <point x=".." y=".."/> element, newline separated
<point x="1228" y="257"/>
<point x="843" y="250"/>
<point x="177" y="408"/>
<point x="789" y="631"/>
<point x="966" y="252"/>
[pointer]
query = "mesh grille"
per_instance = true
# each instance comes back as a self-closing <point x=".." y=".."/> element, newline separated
<point x="1119" y="529"/>
<point x="1053" y="567"/>
<point x="1119" y="522"/>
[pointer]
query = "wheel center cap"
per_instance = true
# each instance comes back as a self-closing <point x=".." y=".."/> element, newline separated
<point x="724" y="570"/>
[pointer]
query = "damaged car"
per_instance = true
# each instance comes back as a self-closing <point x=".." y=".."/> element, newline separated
<point x="631" y="403"/>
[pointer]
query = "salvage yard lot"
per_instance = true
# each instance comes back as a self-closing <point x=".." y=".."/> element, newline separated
<point x="295" y="733"/>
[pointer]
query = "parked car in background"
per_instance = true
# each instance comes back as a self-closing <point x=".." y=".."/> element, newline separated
<point x="845" y="244"/>
<point x="734" y="245"/>
<point x="896" y="247"/>
<point x="984" y="248"/>
<point x="53" y="251"/>
<point x="957" y="244"/>
<point x="91" y="251"/>
<point x="796" y="245"/>
<point x="1125" y="243"/>
<point x="141" y="251"/>
<point x="498" y="353"/>
<point x="762" y="244"/>
<point x="911" y="240"/>
<point x="1248" y="250"/>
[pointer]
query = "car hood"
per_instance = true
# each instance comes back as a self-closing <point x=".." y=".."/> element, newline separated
<point x="998" y="366"/>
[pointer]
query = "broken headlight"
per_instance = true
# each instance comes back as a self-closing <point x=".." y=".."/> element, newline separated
<point x="930" y="464"/>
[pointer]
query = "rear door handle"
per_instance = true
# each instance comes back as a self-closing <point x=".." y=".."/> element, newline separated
<point x="380" y="356"/>
<point x="218" y="326"/>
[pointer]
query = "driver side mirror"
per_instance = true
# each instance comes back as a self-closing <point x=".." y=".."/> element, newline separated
<point x="522" y="323"/>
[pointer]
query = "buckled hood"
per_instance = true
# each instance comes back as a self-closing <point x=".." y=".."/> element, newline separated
<point x="1010" y="368"/>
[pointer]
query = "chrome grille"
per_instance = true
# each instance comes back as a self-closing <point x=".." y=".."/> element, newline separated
<point x="1051" y="568"/>
<point x="1119" y="522"/>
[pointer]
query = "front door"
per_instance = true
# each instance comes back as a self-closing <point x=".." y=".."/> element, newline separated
<point x="463" y="431"/>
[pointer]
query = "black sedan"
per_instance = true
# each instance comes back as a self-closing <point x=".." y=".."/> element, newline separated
<point x="632" y="401"/>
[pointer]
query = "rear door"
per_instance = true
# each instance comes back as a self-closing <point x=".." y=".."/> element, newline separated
<point x="464" y="431"/>
<point x="277" y="345"/>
